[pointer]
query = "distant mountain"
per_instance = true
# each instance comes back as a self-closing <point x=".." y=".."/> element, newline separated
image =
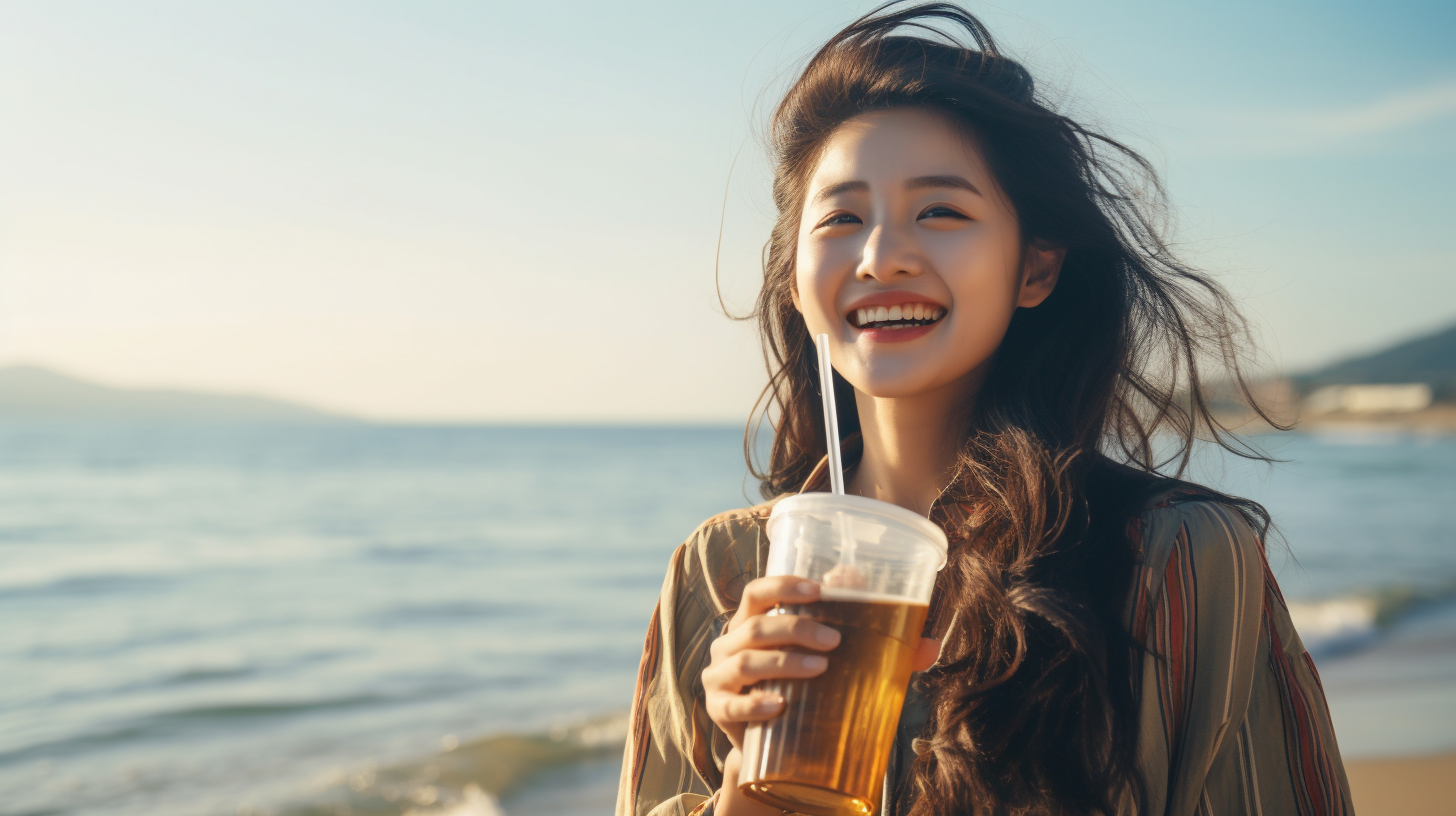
<point x="31" y="392"/>
<point x="1430" y="359"/>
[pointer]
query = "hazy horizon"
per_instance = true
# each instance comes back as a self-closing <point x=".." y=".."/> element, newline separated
<point x="165" y="389"/>
<point x="447" y="213"/>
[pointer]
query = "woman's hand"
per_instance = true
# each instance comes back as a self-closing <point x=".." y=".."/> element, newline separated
<point x="746" y="653"/>
<point x="751" y="649"/>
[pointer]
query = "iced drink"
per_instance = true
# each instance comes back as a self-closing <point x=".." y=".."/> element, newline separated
<point x="826" y="753"/>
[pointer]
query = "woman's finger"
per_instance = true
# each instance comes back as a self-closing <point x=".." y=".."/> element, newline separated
<point x="763" y="594"/>
<point x="755" y="706"/>
<point x="752" y="665"/>
<point x="766" y="631"/>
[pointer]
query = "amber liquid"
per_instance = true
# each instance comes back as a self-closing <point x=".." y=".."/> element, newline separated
<point x="826" y="754"/>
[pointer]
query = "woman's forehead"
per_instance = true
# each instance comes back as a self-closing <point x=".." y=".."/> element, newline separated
<point x="893" y="145"/>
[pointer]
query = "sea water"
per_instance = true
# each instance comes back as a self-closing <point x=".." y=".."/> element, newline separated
<point x="373" y="619"/>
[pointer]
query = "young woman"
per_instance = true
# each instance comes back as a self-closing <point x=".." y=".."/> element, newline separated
<point x="1009" y="334"/>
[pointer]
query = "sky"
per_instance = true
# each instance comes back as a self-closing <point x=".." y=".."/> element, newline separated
<point x="502" y="212"/>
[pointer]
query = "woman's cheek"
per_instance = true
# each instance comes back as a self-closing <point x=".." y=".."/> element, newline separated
<point x="813" y="305"/>
<point x="817" y="288"/>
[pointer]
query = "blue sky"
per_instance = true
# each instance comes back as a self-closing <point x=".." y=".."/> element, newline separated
<point x="473" y="211"/>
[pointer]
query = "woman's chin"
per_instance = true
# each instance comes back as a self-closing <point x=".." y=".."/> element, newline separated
<point x="898" y="385"/>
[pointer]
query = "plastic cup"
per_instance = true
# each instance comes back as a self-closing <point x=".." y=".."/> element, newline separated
<point x="876" y="563"/>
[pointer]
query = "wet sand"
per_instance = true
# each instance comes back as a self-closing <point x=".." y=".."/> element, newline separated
<point x="1408" y="786"/>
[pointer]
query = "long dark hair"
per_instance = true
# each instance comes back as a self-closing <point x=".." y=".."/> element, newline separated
<point x="1033" y="704"/>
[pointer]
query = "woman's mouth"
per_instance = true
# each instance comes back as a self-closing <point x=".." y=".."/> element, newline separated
<point x="902" y="316"/>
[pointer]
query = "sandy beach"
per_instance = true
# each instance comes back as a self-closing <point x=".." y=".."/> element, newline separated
<point x="1407" y="786"/>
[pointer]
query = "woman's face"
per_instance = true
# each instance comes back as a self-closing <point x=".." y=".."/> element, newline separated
<point x="909" y="255"/>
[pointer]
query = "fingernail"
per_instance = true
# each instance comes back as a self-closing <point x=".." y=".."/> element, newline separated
<point x="814" y="662"/>
<point x="827" y="636"/>
<point x="768" y="702"/>
<point x="806" y="587"/>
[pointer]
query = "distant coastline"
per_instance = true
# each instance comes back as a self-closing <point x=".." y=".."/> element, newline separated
<point x="32" y="393"/>
<point x="1439" y="418"/>
<point x="1409" y="387"/>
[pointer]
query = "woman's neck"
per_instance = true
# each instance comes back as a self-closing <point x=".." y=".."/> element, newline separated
<point x="910" y="446"/>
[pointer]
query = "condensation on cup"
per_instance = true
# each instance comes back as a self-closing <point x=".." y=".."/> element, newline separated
<point x="876" y="563"/>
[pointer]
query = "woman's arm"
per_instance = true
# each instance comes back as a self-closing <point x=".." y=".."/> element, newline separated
<point x="677" y="757"/>
<point x="1233" y="718"/>
<point x="664" y="762"/>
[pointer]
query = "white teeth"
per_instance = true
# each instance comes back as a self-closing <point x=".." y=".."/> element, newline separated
<point x="904" y="311"/>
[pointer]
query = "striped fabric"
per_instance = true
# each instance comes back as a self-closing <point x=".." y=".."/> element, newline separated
<point x="1233" y="717"/>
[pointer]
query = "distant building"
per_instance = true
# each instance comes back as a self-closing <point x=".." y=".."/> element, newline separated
<point x="1370" y="399"/>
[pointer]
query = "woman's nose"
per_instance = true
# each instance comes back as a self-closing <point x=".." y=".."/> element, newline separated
<point x="888" y="255"/>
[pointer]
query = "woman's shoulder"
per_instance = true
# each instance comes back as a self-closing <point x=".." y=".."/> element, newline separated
<point x="1164" y="514"/>
<point x="1194" y="519"/>
<point x="1188" y="540"/>
<point x="725" y="552"/>
<point x="730" y="527"/>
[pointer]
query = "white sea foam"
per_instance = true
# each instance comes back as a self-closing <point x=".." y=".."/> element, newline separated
<point x="1335" y="624"/>
<point x="473" y="801"/>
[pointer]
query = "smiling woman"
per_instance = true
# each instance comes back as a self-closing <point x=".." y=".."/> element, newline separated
<point x="910" y="226"/>
<point x="1009" y="333"/>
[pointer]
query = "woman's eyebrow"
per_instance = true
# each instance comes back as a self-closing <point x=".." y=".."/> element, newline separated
<point x="842" y="187"/>
<point x="941" y="182"/>
<point x="917" y="183"/>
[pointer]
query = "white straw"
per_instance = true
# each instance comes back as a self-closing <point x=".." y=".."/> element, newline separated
<point x="831" y="417"/>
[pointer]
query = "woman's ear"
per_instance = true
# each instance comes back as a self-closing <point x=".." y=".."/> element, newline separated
<point x="1039" y="273"/>
<point x="794" y="295"/>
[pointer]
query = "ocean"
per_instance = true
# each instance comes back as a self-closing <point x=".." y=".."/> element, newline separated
<point x="359" y="619"/>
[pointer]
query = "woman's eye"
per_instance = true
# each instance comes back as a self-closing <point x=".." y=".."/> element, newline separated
<point x="944" y="212"/>
<point x="838" y="219"/>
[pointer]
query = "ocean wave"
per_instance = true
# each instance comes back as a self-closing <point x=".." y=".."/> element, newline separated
<point x="168" y="721"/>
<point x="84" y="585"/>
<point x="265" y="709"/>
<point x="463" y="778"/>
<point x="1336" y="625"/>
<point x="458" y="610"/>
<point x="1343" y="624"/>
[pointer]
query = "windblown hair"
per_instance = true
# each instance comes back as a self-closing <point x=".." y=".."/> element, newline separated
<point x="1033" y="703"/>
